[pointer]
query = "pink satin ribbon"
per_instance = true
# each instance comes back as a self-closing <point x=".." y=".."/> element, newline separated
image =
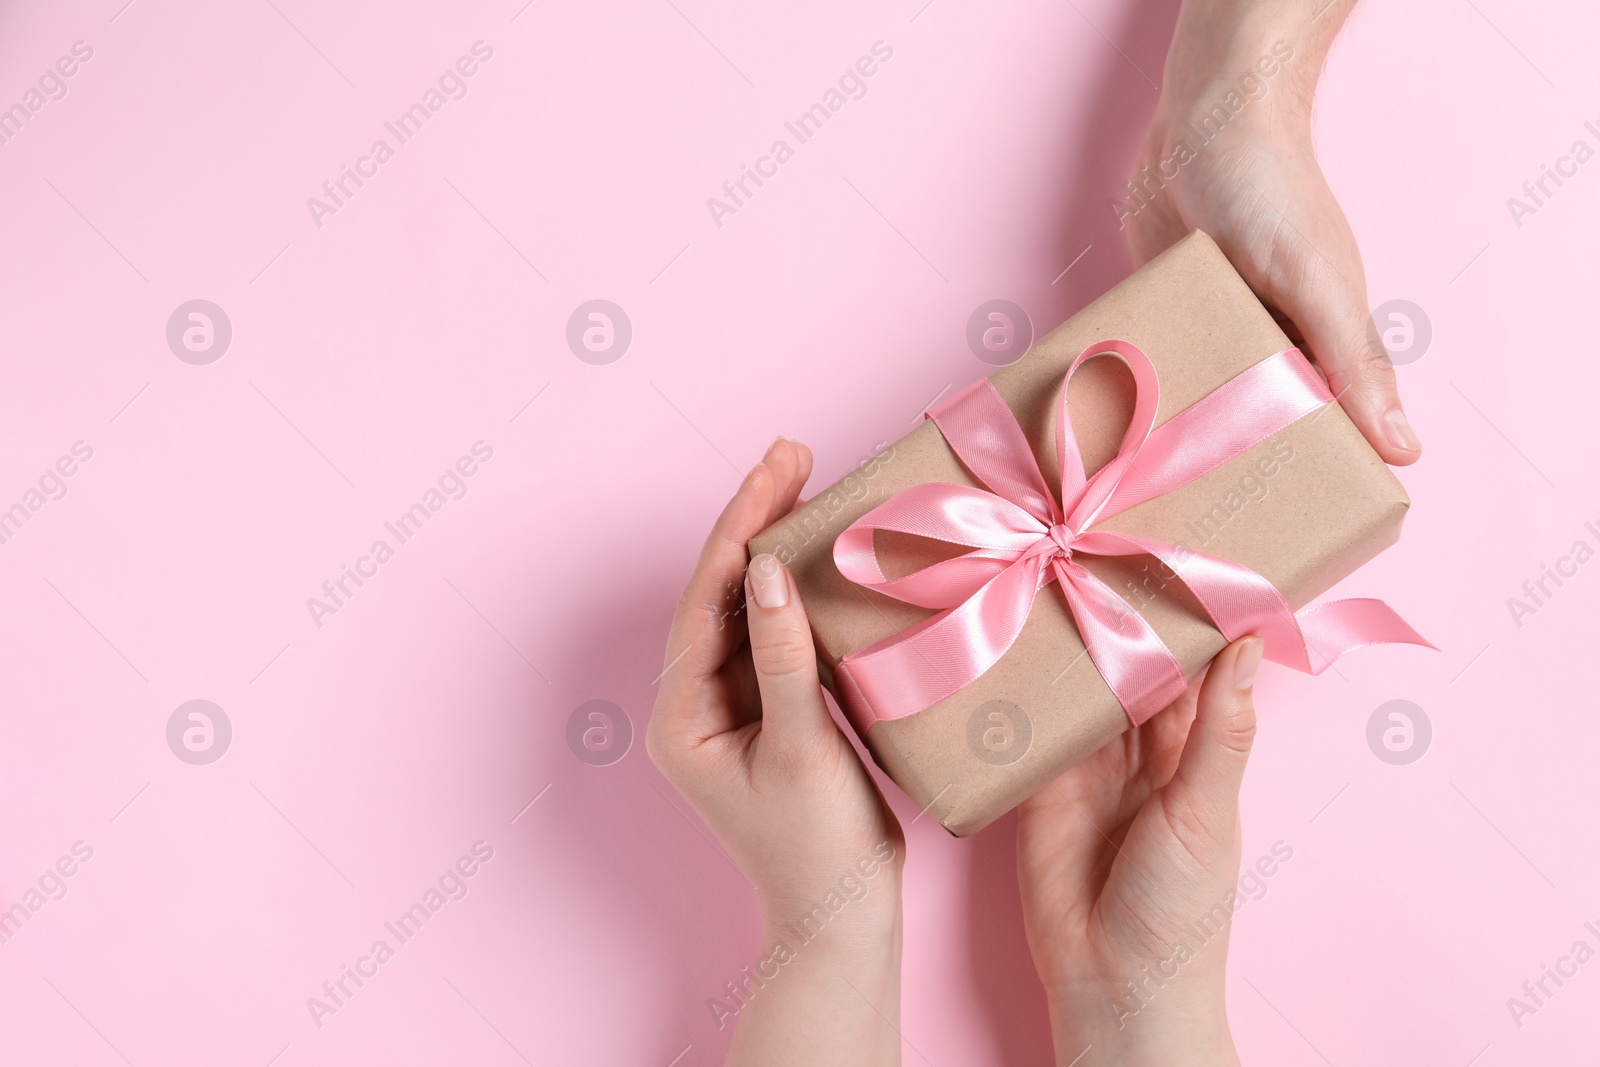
<point x="1020" y="540"/>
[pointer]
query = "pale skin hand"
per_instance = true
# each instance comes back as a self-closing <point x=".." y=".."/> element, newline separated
<point x="740" y="727"/>
<point x="1120" y="856"/>
<point x="1256" y="188"/>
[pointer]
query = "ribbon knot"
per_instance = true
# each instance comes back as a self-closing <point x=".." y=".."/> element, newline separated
<point x="1062" y="535"/>
<point x="1020" y="539"/>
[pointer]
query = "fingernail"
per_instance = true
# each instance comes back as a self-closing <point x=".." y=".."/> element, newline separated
<point x="768" y="582"/>
<point x="1397" y="428"/>
<point x="753" y="470"/>
<point x="1246" y="662"/>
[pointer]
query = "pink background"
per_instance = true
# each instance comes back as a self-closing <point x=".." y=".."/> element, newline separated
<point x="368" y="354"/>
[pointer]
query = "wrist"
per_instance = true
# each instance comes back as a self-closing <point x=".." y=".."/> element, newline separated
<point x="1268" y="53"/>
<point x="856" y="922"/>
<point x="826" y="988"/>
<point x="815" y="902"/>
<point x="1139" y="1024"/>
<point x="1267" y="83"/>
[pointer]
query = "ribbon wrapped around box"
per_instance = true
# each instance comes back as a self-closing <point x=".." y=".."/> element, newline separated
<point x="1037" y="568"/>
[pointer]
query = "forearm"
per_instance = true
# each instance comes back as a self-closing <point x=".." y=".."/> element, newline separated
<point x="826" y="991"/>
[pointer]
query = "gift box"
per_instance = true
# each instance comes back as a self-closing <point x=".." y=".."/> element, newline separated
<point x="1041" y="637"/>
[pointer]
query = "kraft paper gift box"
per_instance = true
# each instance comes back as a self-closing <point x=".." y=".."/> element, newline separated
<point x="1303" y="509"/>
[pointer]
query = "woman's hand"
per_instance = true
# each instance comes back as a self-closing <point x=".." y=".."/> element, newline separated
<point x="1250" y="179"/>
<point x="1123" y="858"/>
<point x="741" y="728"/>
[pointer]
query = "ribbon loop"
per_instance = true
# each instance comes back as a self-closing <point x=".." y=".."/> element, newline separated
<point x="1020" y="538"/>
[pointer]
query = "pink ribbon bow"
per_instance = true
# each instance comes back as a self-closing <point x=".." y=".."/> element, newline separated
<point x="1021" y="540"/>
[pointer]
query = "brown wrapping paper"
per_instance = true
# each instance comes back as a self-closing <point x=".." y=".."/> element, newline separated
<point x="1304" y="509"/>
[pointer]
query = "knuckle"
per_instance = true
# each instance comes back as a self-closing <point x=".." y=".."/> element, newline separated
<point x="781" y="650"/>
<point x="1237" y="731"/>
<point x="1367" y="357"/>
<point x="691" y="605"/>
<point x="1375" y="368"/>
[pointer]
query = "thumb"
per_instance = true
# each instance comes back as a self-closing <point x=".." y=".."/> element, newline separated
<point x="1324" y="293"/>
<point x="792" y="709"/>
<point x="1204" y="792"/>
